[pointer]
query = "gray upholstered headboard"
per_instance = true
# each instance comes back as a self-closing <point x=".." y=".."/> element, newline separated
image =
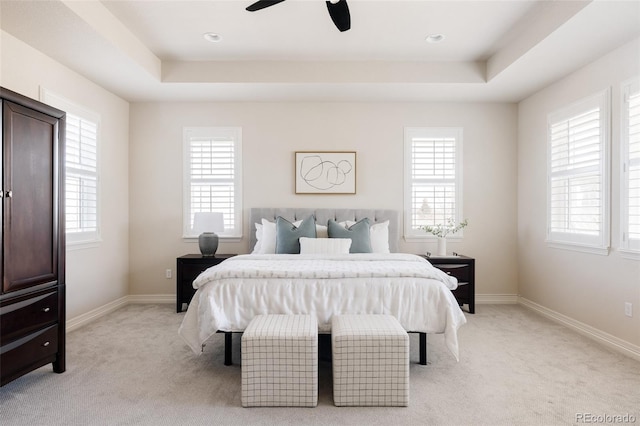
<point x="322" y="217"/>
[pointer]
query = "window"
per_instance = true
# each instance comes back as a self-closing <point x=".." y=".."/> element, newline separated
<point x="631" y="167"/>
<point x="213" y="176"/>
<point x="578" y="175"/>
<point x="81" y="169"/>
<point x="81" y="179"/>
<point x="433" y="178"/>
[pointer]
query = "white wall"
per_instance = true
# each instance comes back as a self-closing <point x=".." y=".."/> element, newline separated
<point x="272" y="132"/>
<point x="95" y="276"/>
<point x="588" y="288"/>
<point x="504" y="183"/>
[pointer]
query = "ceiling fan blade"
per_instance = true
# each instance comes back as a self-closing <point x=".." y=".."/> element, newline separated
<point x="261" y="4"/>
<point x="340" y="15"/>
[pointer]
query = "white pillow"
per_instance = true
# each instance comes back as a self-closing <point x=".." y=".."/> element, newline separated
<point x="266" y="238"/>
<point x="380" y="237"/>
<point x="379" y="233"/>
<point x="324" y="245"/>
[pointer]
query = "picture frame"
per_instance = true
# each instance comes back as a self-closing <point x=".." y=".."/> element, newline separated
<point x="325" y="172"/>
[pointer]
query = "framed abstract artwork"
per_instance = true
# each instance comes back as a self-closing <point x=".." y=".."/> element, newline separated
<point x="325" y="172"/>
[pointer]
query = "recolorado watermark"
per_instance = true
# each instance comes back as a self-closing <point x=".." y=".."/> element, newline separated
<point x="605" y="418"/>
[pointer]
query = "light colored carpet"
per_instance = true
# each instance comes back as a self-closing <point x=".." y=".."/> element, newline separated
<point x="516" y="368"/>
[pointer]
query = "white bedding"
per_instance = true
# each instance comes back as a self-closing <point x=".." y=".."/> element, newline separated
<point x="406" y="286"/>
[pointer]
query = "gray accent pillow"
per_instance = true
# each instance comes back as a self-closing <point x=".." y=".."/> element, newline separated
<point x="358" y="233"/>
<point x="288" y="235"/>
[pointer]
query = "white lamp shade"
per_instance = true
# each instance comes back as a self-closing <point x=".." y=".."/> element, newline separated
<point x="208" y="222"/>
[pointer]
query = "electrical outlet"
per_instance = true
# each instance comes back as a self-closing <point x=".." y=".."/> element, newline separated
<point x="168" y="274"/>
<point x="628" y="309"/>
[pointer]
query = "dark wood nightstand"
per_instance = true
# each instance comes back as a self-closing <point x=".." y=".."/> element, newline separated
<point x="188" y="268"/>
<point x="463" y="268"/>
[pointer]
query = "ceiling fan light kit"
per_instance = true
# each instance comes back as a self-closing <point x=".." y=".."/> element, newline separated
<point x="338" y="11"/>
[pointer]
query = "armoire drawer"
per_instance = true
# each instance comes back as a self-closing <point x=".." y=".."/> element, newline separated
<point x="29" y="350"/>
<point x="27" y="314"/>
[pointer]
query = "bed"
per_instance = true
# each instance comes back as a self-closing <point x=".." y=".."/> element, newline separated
<point x="230" y="294"/>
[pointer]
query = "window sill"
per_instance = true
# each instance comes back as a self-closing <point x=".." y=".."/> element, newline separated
<point x="423" y="238"/>
<point x="629" y="253"/>
<point x="83" y="245"/>
<point x="229" y="239"/>
<point x="602" y="251"/>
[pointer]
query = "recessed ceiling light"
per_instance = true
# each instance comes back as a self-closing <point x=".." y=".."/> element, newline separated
<point x="212" y="37"/>
<point x="434" y="38"/>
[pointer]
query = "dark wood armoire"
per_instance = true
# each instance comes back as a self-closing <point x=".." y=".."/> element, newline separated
<point x="32" y="252"/>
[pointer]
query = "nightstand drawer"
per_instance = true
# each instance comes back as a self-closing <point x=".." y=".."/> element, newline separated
<point x="463" y="268"/>
<point x="461" y="272"/>
<point x="190" y="272"/>
<point x="188" y="269"/>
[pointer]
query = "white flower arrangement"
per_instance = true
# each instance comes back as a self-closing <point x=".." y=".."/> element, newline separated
<point x="442" y="230"/>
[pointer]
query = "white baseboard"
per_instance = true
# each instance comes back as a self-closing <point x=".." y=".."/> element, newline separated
<point x="496" y="299"/>
<point x="84" y="319"/>
<point x="151" y="298"/>
<point x="593" y="333"/>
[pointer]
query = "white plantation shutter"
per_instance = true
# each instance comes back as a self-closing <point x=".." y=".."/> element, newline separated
<point x="433" y="178"/>
<point x="578" y="174"/>
<point x="81" y="179"/>
<point x="213" y="176"/>
<point x="575" y="174"/>
<point x="631" y="167"/>
<point x="82" y="172"/>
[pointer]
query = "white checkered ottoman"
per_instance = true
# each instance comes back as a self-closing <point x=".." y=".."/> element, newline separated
<point x="370" y="355"/>
<point x="280" y="361"/>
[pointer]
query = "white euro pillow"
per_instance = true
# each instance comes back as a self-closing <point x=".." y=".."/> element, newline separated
<point x="265" y="238"/>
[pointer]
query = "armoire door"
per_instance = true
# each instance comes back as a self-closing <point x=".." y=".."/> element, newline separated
<point x="30" y="197"/>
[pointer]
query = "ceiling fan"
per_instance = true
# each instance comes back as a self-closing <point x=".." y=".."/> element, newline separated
<point x="338" y="10"/>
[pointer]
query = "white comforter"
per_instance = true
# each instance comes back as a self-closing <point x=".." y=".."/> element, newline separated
<point x="406" y="286"/>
